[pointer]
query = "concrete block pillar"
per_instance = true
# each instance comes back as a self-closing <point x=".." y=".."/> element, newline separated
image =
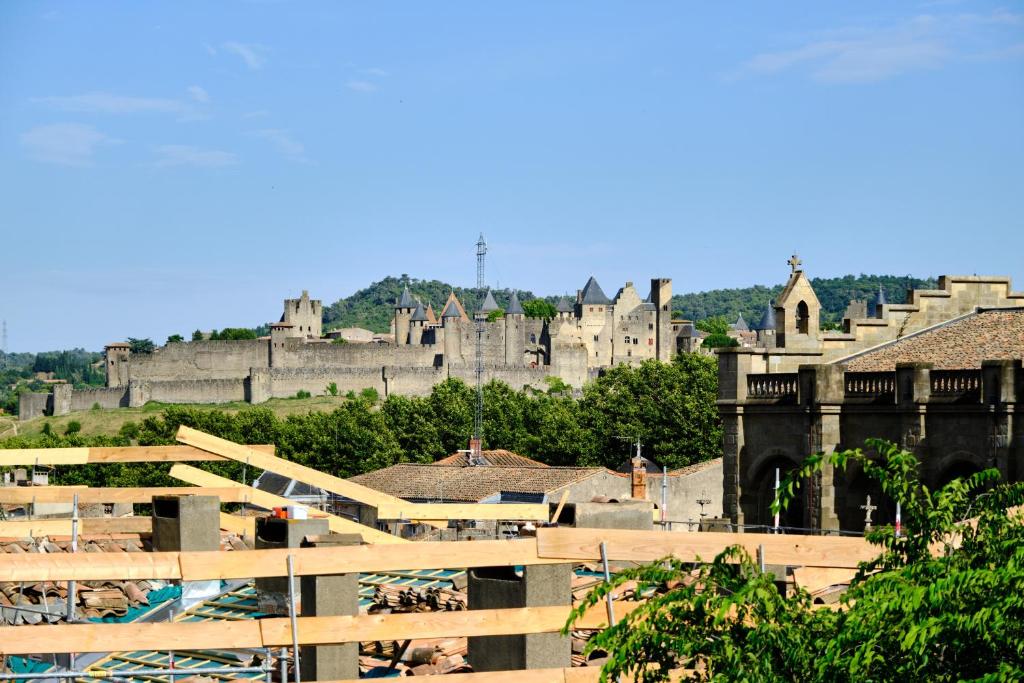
<point x="503" y="587"/>
<point x="186" y="523"/>
<point x="329" y="596"/>
<point x="628" y="514"/>
<point x="273" y="532"/>
<point x="733" y="451"/>
<point x="822" y="391"/>
<point x="733" y="367"/>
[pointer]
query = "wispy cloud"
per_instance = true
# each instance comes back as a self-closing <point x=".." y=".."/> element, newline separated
<point x="198" y="94"/>
<point x="867" y="55"/>
<point x="376" y="71"/>
<point x="360" y="86"/>
<point x="188" y="155"/>
<point x="250" y="53"/>
<point x="256" y="114"/>
<point x="110" y="103"/>
<point x="284" y="143"/>
<point x="67" y="144"/>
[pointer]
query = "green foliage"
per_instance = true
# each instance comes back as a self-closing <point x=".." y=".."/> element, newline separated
<point x="833" y="293"/>
<point x="713" y="341"/>
<point x="370" y="395"/>
<point x="374" y="306"/>
<point x="497" y="314"/>
<point x="302" y="393"/>
<point x="141" y="345"/>
<point x="332" y="388"/>
<point x="716" y="324"/>
<point x="175" y="338"/>
<point x="557" y="386"/>
<point x="233" y="334"/>
<point x="129" y="430"/>
<point x="339" y="340"/>
<point x="96" y="406"/>
<point x="197" y="335"/>
<point x="941" y="602"/>
<point x="539" y="308"/>
<point x="73" y="427"/>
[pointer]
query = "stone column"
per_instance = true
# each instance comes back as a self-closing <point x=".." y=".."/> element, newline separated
<point x="821" y="392"/>
<point x="503" y="587"/>
<point x="328" y="596"/>
<point x="913" y="389"/>
<point x="999" y="390"/>
<point x="733" y="367"/>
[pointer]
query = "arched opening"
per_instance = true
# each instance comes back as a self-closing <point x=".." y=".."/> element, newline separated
<point x="759" y="493"/>
<point x="958" y="469"/>
<point x="802" y="317"/>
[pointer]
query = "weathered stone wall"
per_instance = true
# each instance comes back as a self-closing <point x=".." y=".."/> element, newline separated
<point x="187" y="391"/>
<point x="286" y="382"/>
<point x="299" y="354"/>
<point x="200" y="360"/>
<point x="32" y="404"/>
<point x="106" y="397"/>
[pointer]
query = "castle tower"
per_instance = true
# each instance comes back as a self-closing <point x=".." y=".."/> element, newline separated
<point x="403" y="316"/>
<point x="118" y="356"/>
<point x="661" y="297"/>
<point x="280" y="332"/>
<point x="416" y="324"/>
<point x="766" y="328"/>
<point x="451" y="319"/>
<point x="797" y="312"/>
<point x="564" y="309"/>
<point x="305" y="315"/>
<point x="515" y="331"/>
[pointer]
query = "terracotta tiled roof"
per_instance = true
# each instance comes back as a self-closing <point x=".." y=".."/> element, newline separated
<point x="996" y="334"/>
<point x="494" y="458"/>
<point x="469" y="484"/>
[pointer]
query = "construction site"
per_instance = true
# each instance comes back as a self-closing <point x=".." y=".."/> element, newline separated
<point x="224" y="581"/>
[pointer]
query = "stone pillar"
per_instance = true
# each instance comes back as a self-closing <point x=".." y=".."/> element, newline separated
<point x="503" y="587"/>
<point x="274" y="532"/>
<point x="733" y="367"/>
<point x="62" y="398"/>
<point x="999" y="390"/>
<point x="328" y="596"/>
<point x="913" y="389"/>
<point x="822" y="391"/>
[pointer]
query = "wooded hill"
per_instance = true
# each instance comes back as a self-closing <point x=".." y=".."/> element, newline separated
<point x="373" y="306"/>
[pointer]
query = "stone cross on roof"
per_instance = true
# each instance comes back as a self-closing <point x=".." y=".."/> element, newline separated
<point x="868" y="509"/>
<point x="795" y="262"/>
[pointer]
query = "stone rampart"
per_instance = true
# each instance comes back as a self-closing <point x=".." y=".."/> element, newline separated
<point x="32" y="404"/>
<point x="200" y="360"/>
<point x="187" y="391"/>
<point x="286" y="382"/>
<point x="106" y="397"/>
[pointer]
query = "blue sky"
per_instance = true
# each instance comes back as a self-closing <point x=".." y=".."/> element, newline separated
<point x="172" y="166"/>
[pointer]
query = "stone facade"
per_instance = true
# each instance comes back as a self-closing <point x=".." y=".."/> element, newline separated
<point x="940" y="376"/>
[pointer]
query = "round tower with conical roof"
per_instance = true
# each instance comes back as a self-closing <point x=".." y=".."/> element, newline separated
<point x="451" y="320"/>
<point x="515" y="331"/>
<point x="417" y="322"/>
<point x="404" y="308"/>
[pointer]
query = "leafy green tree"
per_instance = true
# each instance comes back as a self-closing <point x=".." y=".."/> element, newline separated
<point x="197" y="335"/>
<point x="175" y="338"/>
<point x="141" y="345"/>
<point x="715" y="341"/>
<point x="496" y="314"/>
<point x="941" y="602"/>
<point x="539" y="308"/>
<point x="452" y="406"/>
<point x="411" y="420"/>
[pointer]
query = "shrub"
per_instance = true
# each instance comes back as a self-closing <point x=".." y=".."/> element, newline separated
<point x="129" y="430"/>
<point x="370" y="395"/>
<point x="332" y="388"/>
<point x="302" y="393"/>
<point x="73" y="428"/>
<point x="96" y="406"/>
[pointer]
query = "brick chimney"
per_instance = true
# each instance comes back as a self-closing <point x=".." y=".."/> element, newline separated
<point x="638" y="479"/>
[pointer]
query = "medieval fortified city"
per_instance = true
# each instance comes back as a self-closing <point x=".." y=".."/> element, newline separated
<point x="520" y="475"/>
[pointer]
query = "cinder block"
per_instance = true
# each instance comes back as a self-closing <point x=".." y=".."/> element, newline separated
<point x="330" y="595"/>
<point x="273" y="532"/>
<point x="186" y="523"/>
<point x="502" y="588"/>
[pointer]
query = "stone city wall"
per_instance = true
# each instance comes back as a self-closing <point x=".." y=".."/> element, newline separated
<point x="106" y="397"/>
<point x="200" y="360"/>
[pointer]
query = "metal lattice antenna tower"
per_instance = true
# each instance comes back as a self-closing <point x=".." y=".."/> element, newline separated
<point x="481" y="319"/>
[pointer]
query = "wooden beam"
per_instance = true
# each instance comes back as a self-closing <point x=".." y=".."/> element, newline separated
<point x="243" y="526"/>
<point x="200" y="477"/>
<point x="446" y="511"/>
<point x="16" y="640"/>
<point x="65" y="494"/>
<point x="649" y="546"/>
<point x="814" y="579"/>
<point x="26" y="457"/>
<point x="202" y="566"/>
<point x="576" y="674"/>
<point x="35" y="528"/>
<point x="561" y="504"/>
<point x="286" y="468"/>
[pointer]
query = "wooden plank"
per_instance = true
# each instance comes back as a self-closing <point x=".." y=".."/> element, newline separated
<point x="198" y="477"/>
<point x="129" y="637"/>
<point x="65" y="494"/>
<point x="83" y="566"/>
<point x="203" y="566"/>
<point x="36" y="528"/>
<point x="649" y="546"/>
<point x="446" y="511"/>
<point x="26" y="457"/>
<point x="285" y="468"/>
<point x="814" y="579"/>
<point x="243" y="526"/>
<point x="578" y="674"/>
<point x="561" y="504"/>
<point x="15" y="640"/>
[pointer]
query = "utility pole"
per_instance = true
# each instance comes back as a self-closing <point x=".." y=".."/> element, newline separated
<point x="481" y="320"/>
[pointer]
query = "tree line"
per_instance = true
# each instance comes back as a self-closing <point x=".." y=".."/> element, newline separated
<point x="669" y="407"/>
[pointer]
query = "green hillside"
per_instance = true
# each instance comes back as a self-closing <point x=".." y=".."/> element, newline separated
<point x="373" y="307"/>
